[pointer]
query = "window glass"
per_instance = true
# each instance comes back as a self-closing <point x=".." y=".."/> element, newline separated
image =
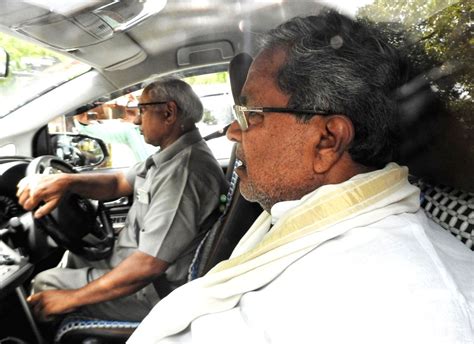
<point x="111" y="122"/>
<point x="440" y="34"/>
<point x="34" y="70"/>
<point x="216" y="97"/>
<point x="8" y="150"/>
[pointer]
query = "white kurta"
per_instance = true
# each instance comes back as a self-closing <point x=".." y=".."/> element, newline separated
<point x="400" y="280"/>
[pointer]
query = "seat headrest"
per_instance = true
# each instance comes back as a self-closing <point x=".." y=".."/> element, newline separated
<point x="238" y="69"/>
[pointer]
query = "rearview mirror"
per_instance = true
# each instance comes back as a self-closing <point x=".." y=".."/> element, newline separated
<point x="4" y="63"/>
<point x="81" y="151"/>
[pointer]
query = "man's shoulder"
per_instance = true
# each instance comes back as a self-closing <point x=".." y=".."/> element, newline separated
<point x="394" y="249"/>
<point x="194" y="161"/>
<point x="201" y="155"/>
<point x="139" y="168"/>
<point x="372" y="275"/>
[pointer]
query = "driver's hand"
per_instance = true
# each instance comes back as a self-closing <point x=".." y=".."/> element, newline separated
<point x="46" y="304"/>
<point x="40" y="189"/>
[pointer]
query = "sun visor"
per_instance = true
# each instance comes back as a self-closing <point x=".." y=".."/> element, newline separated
<point x="85" y="27"/>
<point x="80" y="31"/>
<point x="125" y="53"/>
<point x="19" y="12"/>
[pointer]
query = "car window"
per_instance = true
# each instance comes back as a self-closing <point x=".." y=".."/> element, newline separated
<point x="112" y="122"/>
<point x="216" y="97"/>
<point x="34" y="70"/>
<point x="441" y="36"/>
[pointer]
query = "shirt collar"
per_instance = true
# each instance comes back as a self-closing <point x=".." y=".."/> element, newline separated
<point x="185" y="140"/>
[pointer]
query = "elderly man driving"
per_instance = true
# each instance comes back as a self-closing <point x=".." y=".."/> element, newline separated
<point x="175" y="192"/>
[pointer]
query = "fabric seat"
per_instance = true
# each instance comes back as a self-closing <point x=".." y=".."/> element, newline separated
<point x="224" y="236"/>
<point x="82" y="329"/>
<point x="451" y="208"/>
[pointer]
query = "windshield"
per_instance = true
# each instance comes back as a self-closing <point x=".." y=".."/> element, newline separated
<point x="34" y="70"/>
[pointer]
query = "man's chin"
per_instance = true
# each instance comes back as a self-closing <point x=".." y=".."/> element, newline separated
<point x="249" y="192"/>
<point x="246" y="195"/>
<point x="246" y="189"/>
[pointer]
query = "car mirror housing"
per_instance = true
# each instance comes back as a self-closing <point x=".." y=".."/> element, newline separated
<point x="81" y="151"/>
<point x="4" y="63"/>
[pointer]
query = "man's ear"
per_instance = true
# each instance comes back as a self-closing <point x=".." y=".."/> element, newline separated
<point x="337" y="133"/>
<point x="171" y="114"/>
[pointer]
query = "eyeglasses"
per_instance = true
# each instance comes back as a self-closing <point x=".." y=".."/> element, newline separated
<point x="243" y="121"/>
<point x="140" y="106"/>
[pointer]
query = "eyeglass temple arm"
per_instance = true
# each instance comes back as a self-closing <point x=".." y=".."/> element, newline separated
<point x="218" y="133"/>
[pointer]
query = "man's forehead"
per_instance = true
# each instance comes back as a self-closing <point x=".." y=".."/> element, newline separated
<point x="262" y="77"/>
<point x="144" y="95"/>
<point x="255" y="90"/>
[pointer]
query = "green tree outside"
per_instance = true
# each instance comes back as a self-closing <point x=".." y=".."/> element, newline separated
<point x="442" y="31"/>
<point x="19" y="50"/>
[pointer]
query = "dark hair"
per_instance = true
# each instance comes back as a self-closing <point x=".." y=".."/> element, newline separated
<point x="348" y="67"/>
<point x="168" y="88"/>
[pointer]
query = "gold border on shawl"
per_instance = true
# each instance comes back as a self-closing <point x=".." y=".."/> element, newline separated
<point x="346" y="200"/>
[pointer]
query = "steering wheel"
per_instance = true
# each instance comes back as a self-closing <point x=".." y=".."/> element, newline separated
<point x="78" y="224"/>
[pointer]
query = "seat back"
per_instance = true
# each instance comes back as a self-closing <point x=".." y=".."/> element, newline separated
<point x="226" y="232"/>
<point x="451" y="208"/>
<point x="219" y="242"/>
<point x="238" y="70"/>
<point x="239" y="213"/>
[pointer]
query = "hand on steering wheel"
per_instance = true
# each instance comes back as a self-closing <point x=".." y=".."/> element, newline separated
<point x="41" y="192"/>
<point x="75" y="223"/>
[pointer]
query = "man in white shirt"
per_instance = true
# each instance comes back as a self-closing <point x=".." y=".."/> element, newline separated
<point x="351" y="257"/>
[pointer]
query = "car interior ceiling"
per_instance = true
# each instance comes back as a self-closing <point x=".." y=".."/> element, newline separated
<point x="145" y="48"/>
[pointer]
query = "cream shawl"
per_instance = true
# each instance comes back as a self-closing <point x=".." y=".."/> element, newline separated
<point x="262" y="255"/>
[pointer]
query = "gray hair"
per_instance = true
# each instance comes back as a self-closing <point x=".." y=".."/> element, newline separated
<point x="344" y="67"/>
<point x="190" y="108"/>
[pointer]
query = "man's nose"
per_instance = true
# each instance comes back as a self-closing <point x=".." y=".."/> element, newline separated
<point x="137" y="120"/>
<point x="234" y="133"/>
